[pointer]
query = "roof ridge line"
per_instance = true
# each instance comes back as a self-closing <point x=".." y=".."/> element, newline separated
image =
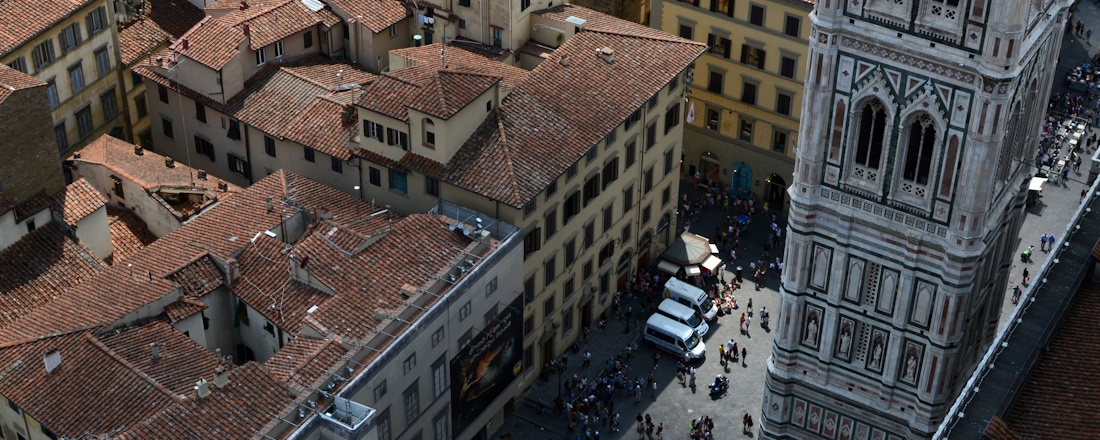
<point x="507" y="154"/>
<point x="669" y="39"/>
<point x="114" y="355"/>
<point x="18" y="342"/>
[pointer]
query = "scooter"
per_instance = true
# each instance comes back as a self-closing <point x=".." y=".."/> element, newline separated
<point x="719" y="386"/>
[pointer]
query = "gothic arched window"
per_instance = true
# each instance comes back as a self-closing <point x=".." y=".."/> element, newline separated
<point x="919" y="149"/>
<point x="872" y="130"/>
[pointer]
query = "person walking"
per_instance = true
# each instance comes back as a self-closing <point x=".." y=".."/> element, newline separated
<point x="661" y="431"/>
<point x="587" y="359"/>
<point x="746" y="423"/>
<point x="1088" y="36"/>
<point x="744" y="355"/>
<point x="748" y="323"/>
<point x="1027" y="278"/>
<point x="1043" y="242"/>
<point x="1016" y="294"/>
<point x="722" y="354"/>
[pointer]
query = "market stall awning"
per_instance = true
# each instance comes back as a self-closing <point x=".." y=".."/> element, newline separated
<point x="693" y="271"/>
<point x="668" y="266"/>
<point x="713" y="248"/>
<point x="1036" y="184"/>
<point x="712" y="262"/>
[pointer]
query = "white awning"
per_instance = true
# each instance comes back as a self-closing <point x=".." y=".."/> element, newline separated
<point x="693" y="270"/>
<point x="1036" y="184"/>
<point x="713" y="248"/>
<point x="668" y="266"/>
<point x="712" y="262"/>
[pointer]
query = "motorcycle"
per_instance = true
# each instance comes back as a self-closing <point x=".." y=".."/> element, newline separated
<point x="719" y="386"/>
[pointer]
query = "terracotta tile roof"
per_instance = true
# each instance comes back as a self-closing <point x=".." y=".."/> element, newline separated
<point x="198" y="277"/>
<point x="147" y="169"/>
<point x="329" y="74"/>
<point x="34" y="16"/>
<point x="222" y="231"/>
<point x="7" y="202"/>
<point x="1060" y="398"/>
<point x="40" y="267"/>
<point x="214" y="41"/>
<point x="999" y="430"/>
<point x="423" y="87"/>
<point x="148" y="70"/>
<point x="92" y="392"/>
<point x="173" y="16"/>
<point x="181" y="362"/>
<point x="320" y="126"/>
<point x="413" y="253"/>
<point x="140" y="38"/>
<point x="559" y="112"/>
<point x="265" y="283"/>
<point x="423" y="165"/>
<point x="32" y="205"/>
<point x="78" y="200"/>
<point x="12" y="80"/>
<point x="184" y="308"/>
<point x="128" y="234"/>
<point x="304" y="360"/>
<point x="600" y="22"/>
<point x="238" y="411"/>
<point x="377" y="15"/>
<point x="458" y="59"/>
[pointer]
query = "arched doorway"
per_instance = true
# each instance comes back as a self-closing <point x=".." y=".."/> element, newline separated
<point x="776" y="192"/>
<point x="623" y="267"/>
<point x="708" y="163"/>
<point x="741" y="180"/>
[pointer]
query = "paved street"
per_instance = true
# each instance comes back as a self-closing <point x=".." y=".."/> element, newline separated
<point x="675" y="405"/>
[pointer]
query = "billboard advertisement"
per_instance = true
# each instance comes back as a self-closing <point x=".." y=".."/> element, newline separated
<point x="486" y="365"/>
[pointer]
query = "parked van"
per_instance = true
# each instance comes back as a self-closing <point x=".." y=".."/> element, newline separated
<point x="684" y="315"/>
<point x="673" y="337"/>
<point x="691" y="296"/>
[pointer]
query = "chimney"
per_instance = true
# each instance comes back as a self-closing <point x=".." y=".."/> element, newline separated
<point x="52" y="360"/>
<point x="202" y="175"/>
<point x="183" y="44"/>
<point x="222" y="186"/>
<point x="607" y="54"/>
<point x="76" y="155"/>
<point x="156" y="353"/>
<point x="234" y="271"/>
<point x="137" y="150"/>
<point x="169" y="162"/>
<point x="221" y="377"/>
<point x="269" y="204"/>
<point x="160" y="61"/>
<point x="244" y="5"/>
<point x="202" y="388"/>
<point x="247" y="31"/>
<point x="564" y="61"/>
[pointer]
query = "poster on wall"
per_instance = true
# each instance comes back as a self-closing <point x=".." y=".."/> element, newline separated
<point x="483" y="368"/>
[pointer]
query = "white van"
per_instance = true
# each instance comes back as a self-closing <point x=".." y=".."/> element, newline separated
<point x="684" y="315"/>
<point x="673" y="337"/>
<point x="691" y="296"/>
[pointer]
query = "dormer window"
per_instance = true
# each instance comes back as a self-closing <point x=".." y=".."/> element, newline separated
<point x="429" y="133"/>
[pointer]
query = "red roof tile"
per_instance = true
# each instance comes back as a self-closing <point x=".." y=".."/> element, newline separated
<point x="250" y="400"/>
<point x="559" y="112"/>
<point x="12" y="80"/>
<point x="140" y="38"/>
<point x="214" y="41"/>
<point x="181" y="362"/>
<point x="999" y="430"/>
<point x="222" y="231"/>
<point x="1060" y="399"/>
<point x="377" y="15"/>
<point x="198" y="277"/>
<point x="600" y="22"/>
<point x="268" y="288"/>
<point x="40" y="267"/>
<point x="25" y="19"/>
<point x="78" y="200"/>
<point x="128" y="234"/>
<point x="306" y="359"/>
<point x="32" y="206"/>
<point x="147" y="169"/>
<point x="185" y="308"/>
<point x="92" y="391"/>
<point x="328" y="73"/>
<point x="447" y="92"/>
<point x="458" y="59"/>
<point x="173" y="16"/>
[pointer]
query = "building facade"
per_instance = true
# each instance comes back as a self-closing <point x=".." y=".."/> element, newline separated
<point x="748" y="90"/>
<point x="908" y="194"/>
<point x="74" y="49"/>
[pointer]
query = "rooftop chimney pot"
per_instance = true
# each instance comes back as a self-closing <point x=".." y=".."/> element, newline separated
<point x="202" y="388"/>
<point x="169" y="162"/>
<point x="221" y="377"/>
<point x="156" y="353"/>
